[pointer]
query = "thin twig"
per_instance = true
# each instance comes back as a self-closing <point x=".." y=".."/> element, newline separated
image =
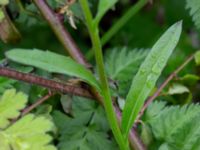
<point x="163" y="85"/>
<point x="37" y="103"/>
<point x="50" y="84"/>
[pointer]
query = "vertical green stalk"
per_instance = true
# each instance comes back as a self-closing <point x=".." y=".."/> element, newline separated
<point x="120" y="23"/>
<point x="96" y="43"/>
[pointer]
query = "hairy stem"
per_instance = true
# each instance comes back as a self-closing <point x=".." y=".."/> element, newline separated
<point x="50" y="84"/>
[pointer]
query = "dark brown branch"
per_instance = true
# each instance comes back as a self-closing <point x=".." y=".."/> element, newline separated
<point x="60" y="31"/>
<point x="50" y="84"/>
<point x="163" y="85"/>
<point x="37" y="103"/>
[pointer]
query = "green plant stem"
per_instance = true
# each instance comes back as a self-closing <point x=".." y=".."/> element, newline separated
<point x="120" y="23"/>
<point x="110" y="112"/>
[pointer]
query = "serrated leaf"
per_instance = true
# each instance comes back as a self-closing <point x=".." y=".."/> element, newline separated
<point x="154" y="109"/>
<point x="29" y="133"/>
<point x="194" y="6"/>
<point x="187" y="137"/>
<point x="10" y="105"/>
<point x="177" y="127"/>
<point x="87" y="129"/>
<point x="171" y="119"/>
<point x="148" y="74"/>
<point x="6" y="83"/>
<point x="121" y="64"/>
<point x="53" y="63"/>
<point x="103" y="7"/>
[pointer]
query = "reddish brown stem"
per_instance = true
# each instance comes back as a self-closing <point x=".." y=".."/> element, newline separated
<point x="37" y="103"/>
<point x="50" y="84"/>
<point x="163" y="85"/>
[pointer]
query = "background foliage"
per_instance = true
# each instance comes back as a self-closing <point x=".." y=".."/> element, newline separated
<point x="68" y="122"/>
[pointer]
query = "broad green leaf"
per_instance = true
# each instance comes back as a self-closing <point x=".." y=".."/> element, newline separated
<point x="29" y="133"/>
<point x="148" y="74"/>
<point x="197" y="57"/>
<point x="10" y="105"/>
<point x="103" y="7"/>
<point x="53" y="63"/>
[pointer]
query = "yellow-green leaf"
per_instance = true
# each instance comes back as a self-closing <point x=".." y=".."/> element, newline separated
<point x="10" y="105"/>
<point x="29" y="133"/>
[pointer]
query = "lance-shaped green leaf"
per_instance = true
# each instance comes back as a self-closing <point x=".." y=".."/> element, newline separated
<point x="148" y="74"/>
<point x="53" y="63"/>
<point x="103" y="7"/>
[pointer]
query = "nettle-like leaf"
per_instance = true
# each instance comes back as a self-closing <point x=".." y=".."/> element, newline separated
<point x="121" y="64"/>
<point x="10" y="105"/>
<point x="178" y="127"/>
<point x="194" y="6"/>
<point x="5" y="83"/>
<point x="53" y="63"/>
<point x="28" y="133"/>
<point x="103" y="7"/>
<point x="148" y="74"/>
<point x="86" y="130"/>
